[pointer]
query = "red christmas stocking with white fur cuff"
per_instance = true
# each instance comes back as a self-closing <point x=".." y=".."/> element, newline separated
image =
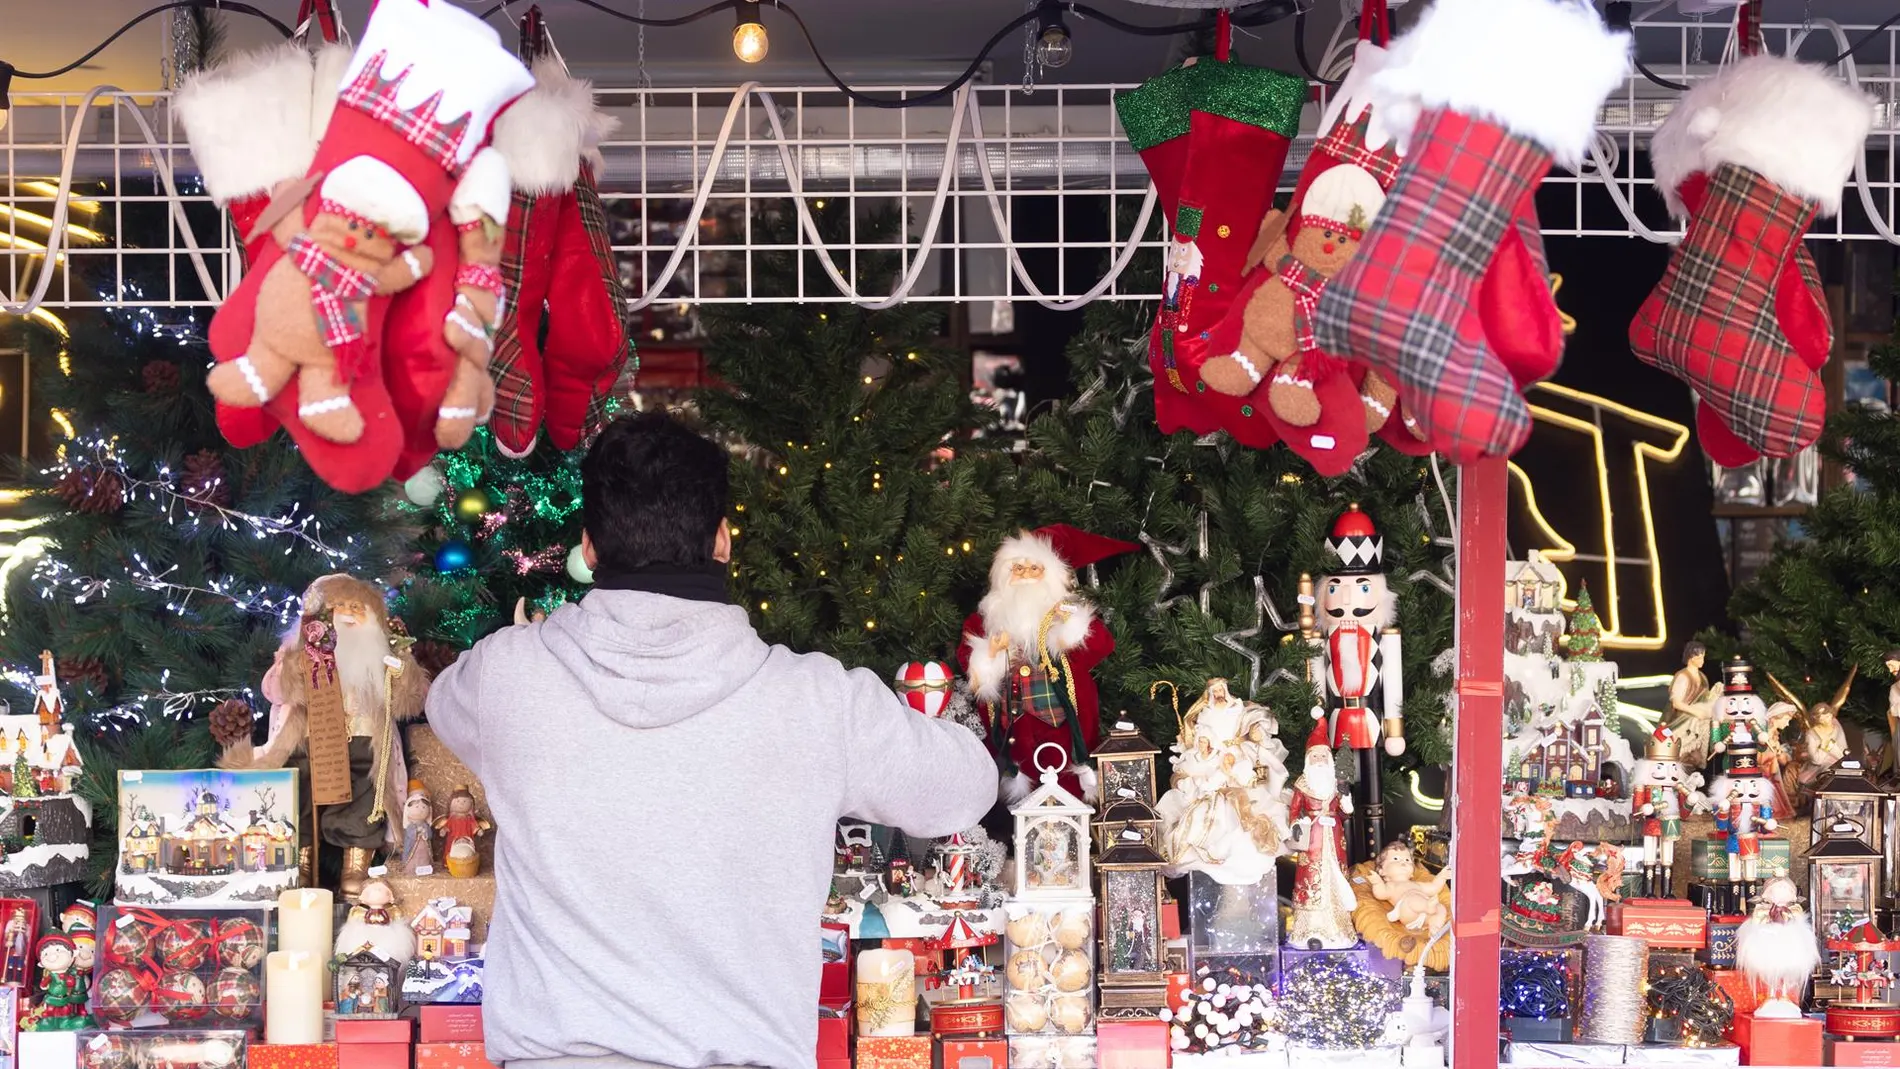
<point x="587" y="342"/>
<point x="303" y="333"/>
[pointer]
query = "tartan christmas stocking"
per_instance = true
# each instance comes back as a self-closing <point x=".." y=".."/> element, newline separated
<point x="543" y="137"/>
<point x="1241" y="126"/>
<point x="1749" y="159"/>
<point x="302" y="334"/>
<point x="1484" y="120"/>
<point x="587" y="343"/>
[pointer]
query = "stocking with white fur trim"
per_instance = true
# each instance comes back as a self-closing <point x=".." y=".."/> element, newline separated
<point x="479" y="210"/>
<point x="1749" y="158"/>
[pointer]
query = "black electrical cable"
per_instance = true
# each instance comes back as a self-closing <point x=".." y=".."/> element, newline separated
<point x="221" y="5"/>
<point x="1616" y="15"/>
<point x="1865" y="39"/>
<point x="679" y="20"/>
<point x="1299" y="53"/>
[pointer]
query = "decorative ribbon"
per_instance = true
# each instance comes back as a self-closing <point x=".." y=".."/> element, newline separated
<point x="334" y="289"/>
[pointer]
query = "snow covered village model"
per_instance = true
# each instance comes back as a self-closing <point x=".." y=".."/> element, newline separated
<point x="45" y="828"/>
<point x="209" y="837"/>
<point x="1559" y="700"/>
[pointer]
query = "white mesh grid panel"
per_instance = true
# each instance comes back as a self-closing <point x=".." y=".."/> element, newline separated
<point x="1058" y="143"/>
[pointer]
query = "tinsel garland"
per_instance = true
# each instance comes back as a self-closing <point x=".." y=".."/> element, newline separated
<point x="1331" y="1002"/>
<point x="1535" y="985"/>
<point x="1695" y="1003"/>
<point x="1613" y="971"/>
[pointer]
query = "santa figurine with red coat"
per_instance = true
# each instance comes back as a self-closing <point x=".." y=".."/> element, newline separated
<point x="1030" y="651"/>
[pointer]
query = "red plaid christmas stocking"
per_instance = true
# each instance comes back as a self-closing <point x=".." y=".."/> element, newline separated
<point x="303" y="333"/>
<point x="1407" y="304"/>
<point x="1750" y="158"/>
<point x="543" y="137"/>
<point x="587" y="342"/>
<point x="1241" y="126"/>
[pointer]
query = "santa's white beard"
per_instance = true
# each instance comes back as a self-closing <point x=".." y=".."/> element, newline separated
<point x="1779" y="955"/>
<point x="1018" y="609"/>
<point x="360" y="650"/>
<point x="1320" y="781"/>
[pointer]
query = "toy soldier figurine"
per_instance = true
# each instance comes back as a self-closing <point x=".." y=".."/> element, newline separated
<point x="1661" y="802"/>
<point x="1740" y="714"/>
<point x="1744" y="810"/>
<point x="1355" y="665"/>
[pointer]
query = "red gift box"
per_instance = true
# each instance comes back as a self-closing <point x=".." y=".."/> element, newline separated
<point x="291" y="1055"/>
<point x="1740" y="991"/>
<point x="835" y="1021"/>
<point x="1178" y="983"/>
<point x="834" y="1063"/>
<point x="894" y="1052"/>
<point x="920" y="949"/>
<point x="349" y="1030"/>
<point x="975" y="1053"/>
<point x="451" y="1024"/>
<point x="1665" y="923"/>
<point x="452" y="1056"/>
<point x="1170" y="920"/>
<point x="1130" y="1045"/>
<point x="834" y="981"/>
<point x="1861" y="1052"/>
<point x="373" y="1055"/>
<point x="1778" y="1040"/>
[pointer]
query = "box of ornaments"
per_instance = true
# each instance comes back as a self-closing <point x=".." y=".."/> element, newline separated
<point x="198" y="968"/>
<point x="190" y="1048"/>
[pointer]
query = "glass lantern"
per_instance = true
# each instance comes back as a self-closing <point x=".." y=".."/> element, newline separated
<point x="1125" y="763"/>
<point x="1848" y="793"/>
<point x="1133" y="952"/>
<point x="1052" y="843"/>
<point x="1843" y="877"/>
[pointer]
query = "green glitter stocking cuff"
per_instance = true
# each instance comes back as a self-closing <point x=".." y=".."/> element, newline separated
<point x="1156" y="111"/>
<point x="1255" y="96"/>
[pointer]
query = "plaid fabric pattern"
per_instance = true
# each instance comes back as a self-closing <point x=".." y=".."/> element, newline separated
<point x="1306" y="285"/>
<point x="1346" y="143"/>
<point x="594" y="221"/>
<point x="334" y="291"/>
<point x="1712" y="320"/>
<point x="1404" y="303"/>
<point x="374" y="95"/>
<point x="515" y="381"/>
<point x="480" y="276"/>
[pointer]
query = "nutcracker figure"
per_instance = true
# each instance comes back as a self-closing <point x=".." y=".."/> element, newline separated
<point x="1661" y="801"/>
<point x="1030" y="651"/>
<point x="1355" y="664"/>
<point x="1740" y="714"/>
<point x="1744" y="811"/>
<point x="18" y="935"/>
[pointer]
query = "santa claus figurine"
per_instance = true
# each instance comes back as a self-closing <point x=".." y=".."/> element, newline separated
<point x="1323" y="898"/>
<point x="1355" y="665"/>
<point x="1777" y="949"/>
<point x="346" y="647"/>
<point x="1030" y="651"/>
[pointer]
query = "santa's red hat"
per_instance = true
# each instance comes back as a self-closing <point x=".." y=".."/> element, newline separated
<point x="1357" y="543"/>
<point x="1319" y="738"/>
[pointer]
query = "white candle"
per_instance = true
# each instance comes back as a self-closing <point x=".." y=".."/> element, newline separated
<point x="304" y="921"/>
<point x="887" y="993"/>
<point x="293" y="996"/>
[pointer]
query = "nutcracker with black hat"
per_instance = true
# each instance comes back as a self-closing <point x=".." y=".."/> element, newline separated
<point x="1744" y="812"/>
<point x="1355" y="665"/>
<point x="1030" y="651"/>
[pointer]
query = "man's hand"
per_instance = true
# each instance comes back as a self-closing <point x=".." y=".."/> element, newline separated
<point x="999" y="642"/>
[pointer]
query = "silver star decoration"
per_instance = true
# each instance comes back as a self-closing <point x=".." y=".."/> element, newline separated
<point x="1449" y="566"/>
<point x="1263" y="610"/>
<point x="1161" y="551"/>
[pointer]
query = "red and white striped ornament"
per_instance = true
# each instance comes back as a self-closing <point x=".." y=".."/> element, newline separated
<point x="924" y="686"/>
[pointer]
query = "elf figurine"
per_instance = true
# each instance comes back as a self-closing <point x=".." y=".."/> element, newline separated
<point x="1355" y="663"/>
<point x="63" y="989"/>
<point x="1745" y="811"/>
<point x="1662" y="801"/>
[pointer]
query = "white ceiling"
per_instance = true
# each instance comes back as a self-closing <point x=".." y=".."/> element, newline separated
<point x="888" y="41"/>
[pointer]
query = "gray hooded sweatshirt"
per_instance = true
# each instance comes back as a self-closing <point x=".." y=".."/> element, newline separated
<point x="665" y="788"/>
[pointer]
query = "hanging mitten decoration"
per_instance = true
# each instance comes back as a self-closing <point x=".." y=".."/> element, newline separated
<point x="1484" y="123"/>
<point x="1748" y="159"/>
<point x="587" y="344"/>
<point x="543" y="137"/>
<point x="416" y="103"/>
<point x="479" y="210"/>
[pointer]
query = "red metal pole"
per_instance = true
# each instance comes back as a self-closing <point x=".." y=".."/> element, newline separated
<point x="1476" y="794"/>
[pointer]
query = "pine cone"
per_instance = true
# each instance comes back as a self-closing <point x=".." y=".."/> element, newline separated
<point x="434" y="655"/>
<point x="204" y="483"/>
<point x="161" y="376"/>
<point x="87" y="672"/>
<point x="231" y="721"/>
<point x="93" y="491"/>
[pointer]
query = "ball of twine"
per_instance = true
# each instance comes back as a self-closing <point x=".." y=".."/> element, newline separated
<point x="1613" y="1006"/>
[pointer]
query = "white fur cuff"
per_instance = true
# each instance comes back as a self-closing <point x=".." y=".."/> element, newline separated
<point x="1472" y="56"/>
<point x="543" y="134"/>
<point x="248" y="121"/>
<point x="986" y="669"/>
<point x="1791" y="123"/>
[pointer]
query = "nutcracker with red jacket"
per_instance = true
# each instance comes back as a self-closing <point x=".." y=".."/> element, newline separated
<point x="1661" y="801"/>
<point x="1030" y="651"/>
<point x="1744" y="812"/>
<point x="1355" y="665"/>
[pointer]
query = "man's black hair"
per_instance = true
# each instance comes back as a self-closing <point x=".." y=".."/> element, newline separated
<point x="653" y="493"/>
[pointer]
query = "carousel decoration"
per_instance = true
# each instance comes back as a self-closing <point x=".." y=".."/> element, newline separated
<point x="1864" y="961"/>
<point x="969" y="1013"/>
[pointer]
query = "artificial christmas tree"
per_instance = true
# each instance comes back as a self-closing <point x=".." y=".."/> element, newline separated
<point x="1584" y="639"/>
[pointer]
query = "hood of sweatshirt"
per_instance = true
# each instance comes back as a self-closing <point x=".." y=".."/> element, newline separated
<point x="649" y="660"/>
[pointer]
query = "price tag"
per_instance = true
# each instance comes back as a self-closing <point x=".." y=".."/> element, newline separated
<point x="329" y="743"/>
<point x="1307" y="599"/>
<point x="124" y="919"/>
<point x="377" y="870"/>
<point x="425" y="870"/>
<point x="132" y="777"/>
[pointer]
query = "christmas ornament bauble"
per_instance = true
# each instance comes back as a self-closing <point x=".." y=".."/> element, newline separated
<point x="235" y="994"/>
<point x="1028" y="930"/>
<point x="924" y="686"/>
<point x="239" y="943"/>
<point x="117" y="997"/>
<point x="1070" y="1014"/>
<point x="1074" y="929"/>
<point x="453" y="557"/>
<point x="184" y="943"/>
<point x="180" y="996"/>
<point x="1027" y="1012"/>
<point x="128" y="944"/>
<point x="425" y="487"/>
<point x="1071" y="971"/>
<point x="472" y="505"/>
<point x="1025" y="970"/>
<point x="103" y="1050"/>
<point x="577" y="568"/>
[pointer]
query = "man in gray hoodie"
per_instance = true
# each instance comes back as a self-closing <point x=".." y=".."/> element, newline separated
<point x="666" y="787"/>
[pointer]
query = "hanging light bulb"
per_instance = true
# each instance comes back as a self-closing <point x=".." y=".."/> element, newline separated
<point x="1053" y="46"/>
<point x="749" y="42"/>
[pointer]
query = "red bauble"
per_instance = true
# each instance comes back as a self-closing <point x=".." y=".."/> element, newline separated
<point x="235" y="994"/>
<point x="239" y="943"/>
<point x="181" y="996"/>
<point x="924" y="686"/>
<point x="184" y="943"/>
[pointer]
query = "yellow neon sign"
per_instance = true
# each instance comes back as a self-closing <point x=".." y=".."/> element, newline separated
<point x="1561" y="549"/>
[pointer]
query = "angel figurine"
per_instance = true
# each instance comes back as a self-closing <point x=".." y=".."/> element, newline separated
<point x="1223" y="814"/>
<point x="1823" y="740"/>
<point x="461" y="829"/>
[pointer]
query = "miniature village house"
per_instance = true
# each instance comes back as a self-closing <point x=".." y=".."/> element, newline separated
<point x="1534" y="585"/>
<point x="139" y="846"/>
<point x="443" y="929"/>
<point x="205" y="845"/>
<point x="1567" y="761"/>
